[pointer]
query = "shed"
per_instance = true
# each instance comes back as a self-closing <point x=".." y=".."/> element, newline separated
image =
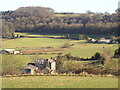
<point x="30" y="69"/>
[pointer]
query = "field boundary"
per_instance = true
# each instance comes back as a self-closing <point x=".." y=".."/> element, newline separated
<point x="82" y="75"/>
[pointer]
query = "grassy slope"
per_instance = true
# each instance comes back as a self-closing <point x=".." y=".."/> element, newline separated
<point x="60" y="82"/>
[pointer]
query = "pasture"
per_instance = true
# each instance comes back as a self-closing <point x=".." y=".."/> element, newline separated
<point x="52" y="45"/>
<point x="60" y="82"/>
<point x="44" y="47"/>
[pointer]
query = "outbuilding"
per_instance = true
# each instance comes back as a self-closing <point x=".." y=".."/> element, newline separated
<point x="30" y="69"/>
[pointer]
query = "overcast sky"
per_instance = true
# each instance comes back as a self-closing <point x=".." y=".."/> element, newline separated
<point x="77" y="6"/>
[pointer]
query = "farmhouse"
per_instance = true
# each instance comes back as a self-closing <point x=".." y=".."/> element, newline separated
<point x="11" y="51"/>
<point x="44" y="66"/>
<point x="103" y="40"/>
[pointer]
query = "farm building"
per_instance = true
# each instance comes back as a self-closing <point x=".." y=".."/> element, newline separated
<point x="44" y="66"/>
<point x="103" y="40"/>
<point x="10" y="51"/>
<point x="92" y="41"/>
<point x="30" y="69"/>
<point x="52" y="64"/>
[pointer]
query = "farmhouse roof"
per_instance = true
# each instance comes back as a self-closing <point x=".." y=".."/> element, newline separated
<point x="41" y="61"/>
<point x="102" y="40"/>
<point x="9" y="49"/>
<point x="30" y="67"/>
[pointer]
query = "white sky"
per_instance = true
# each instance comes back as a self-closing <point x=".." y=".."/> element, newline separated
<point x="78" y="6"/>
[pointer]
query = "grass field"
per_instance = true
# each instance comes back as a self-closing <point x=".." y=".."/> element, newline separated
<point x="59" y="82"/>
<point x="32" y="43"/>
<point x="80" y="49"/>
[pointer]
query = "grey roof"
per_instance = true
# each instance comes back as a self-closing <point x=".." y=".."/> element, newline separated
<point x="41" y="61"/>
<point x="30" y="67"/>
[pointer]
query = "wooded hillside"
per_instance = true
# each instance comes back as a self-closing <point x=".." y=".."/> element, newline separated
<point x="45" y="20"/>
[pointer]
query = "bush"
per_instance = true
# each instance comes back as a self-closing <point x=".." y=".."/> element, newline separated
<point x="97" y="56"/>
<point x="102" y="61"/>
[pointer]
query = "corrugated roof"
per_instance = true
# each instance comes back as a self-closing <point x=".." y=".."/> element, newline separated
<point x="30" y="67"/>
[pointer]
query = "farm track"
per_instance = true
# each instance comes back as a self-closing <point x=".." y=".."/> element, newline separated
<point x="38" y="51"/>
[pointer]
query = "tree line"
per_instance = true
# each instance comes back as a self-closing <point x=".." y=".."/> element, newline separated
<point x="45" y="20"/>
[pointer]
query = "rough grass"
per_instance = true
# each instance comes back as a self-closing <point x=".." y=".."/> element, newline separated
<point x="87" y="50"/>
<point x="25" y="59"/>
<point x="59" y="82"/>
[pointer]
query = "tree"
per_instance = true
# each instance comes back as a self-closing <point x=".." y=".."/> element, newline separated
<point x="117" y="53"/>
<point x="97" y="56"/>
<point x="44" y="20"/>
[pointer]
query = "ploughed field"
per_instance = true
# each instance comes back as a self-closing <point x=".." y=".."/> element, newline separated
<point x="60" y="82"/>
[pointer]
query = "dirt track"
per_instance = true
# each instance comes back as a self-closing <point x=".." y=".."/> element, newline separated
<point x="39" y="51"/>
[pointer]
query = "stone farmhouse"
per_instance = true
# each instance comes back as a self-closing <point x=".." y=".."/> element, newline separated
<point x="43" y="66"/>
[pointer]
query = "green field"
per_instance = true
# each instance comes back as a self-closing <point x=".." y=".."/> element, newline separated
<point x="80" y="49"/>
<point x="32" y="43"/>
<point x="84" y="50"/>
<point x="60" y="82"/>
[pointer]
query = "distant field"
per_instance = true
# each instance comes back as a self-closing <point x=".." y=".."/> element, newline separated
<point x="60" y="82"/>
<point x="62" y="35"/>
<point x="33" y="43"/>
<point x="41" y="35"/>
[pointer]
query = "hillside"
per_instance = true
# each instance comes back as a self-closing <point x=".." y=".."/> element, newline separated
<point x="45" y="20"/>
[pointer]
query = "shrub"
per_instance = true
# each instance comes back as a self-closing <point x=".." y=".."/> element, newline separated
<point x="97" y="56"/>
<point x="102" y="61"/>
